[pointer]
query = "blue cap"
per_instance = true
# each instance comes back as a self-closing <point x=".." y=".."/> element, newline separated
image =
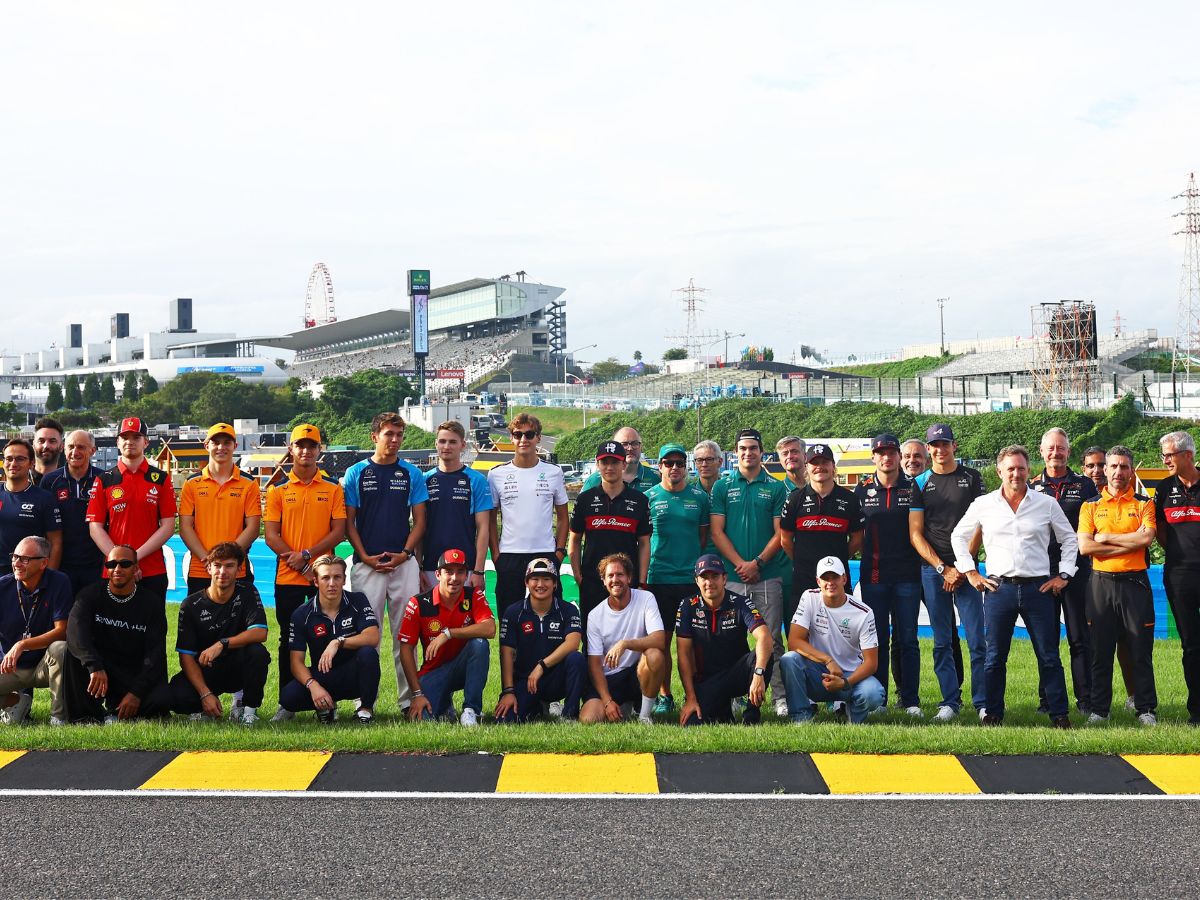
<point x="939" y="432"/>
<point x="709" y="563"/>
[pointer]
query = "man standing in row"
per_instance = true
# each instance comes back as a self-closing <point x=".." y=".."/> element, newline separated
<point x="72" y="487"/>
<point x="636" y="474"/>
<point x="25" y="509"/>
<point x="458" y="511"/>
<point x="134" y="503"/>
<point x="792" y="453"/>
<point x="47" y="447"/>
<point x="385" y="522"/>
<point x="1178" y="502"/>
<point x="914" y="458"/>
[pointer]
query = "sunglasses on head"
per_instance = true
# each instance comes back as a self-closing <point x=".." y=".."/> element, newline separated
<point x="674" y="463"/>
<point x="528" y="435"/>
<point x="111" y="564"/>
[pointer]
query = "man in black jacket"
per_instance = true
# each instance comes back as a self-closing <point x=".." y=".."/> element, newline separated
<point x="116" y="667"/>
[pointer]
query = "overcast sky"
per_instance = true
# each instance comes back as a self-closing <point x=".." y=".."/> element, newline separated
<point x="825" y="173"/>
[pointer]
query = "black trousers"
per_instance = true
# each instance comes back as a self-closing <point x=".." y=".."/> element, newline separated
<point x="82" y="576"/>
<point x="510" y="577"/>
<point x="1183" y="593"/>
<point x="288" y="599"/>
<point x="1122" y="604"/>
<point x="356" y="678"/>
<point x="83" y="707"/>
<point x="243" y="669"/>
<point x="717" y="689"/>
<point x="669" y="596"/>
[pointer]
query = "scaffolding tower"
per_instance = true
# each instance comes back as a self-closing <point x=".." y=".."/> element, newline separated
<point x="695" y="341"/>
<point x="1066" y="372"/>
<point x="1187" y="330"/>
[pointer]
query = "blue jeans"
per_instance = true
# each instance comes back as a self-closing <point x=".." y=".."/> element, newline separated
<point x="467" y="672"/>
<point x="1040" y="613"/>
<point x="941" y="604"/>
<point x="898" y="602"/>
<point x="802" y="679"/>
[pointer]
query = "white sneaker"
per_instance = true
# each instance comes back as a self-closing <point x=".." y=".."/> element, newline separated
<point x="645" y="720"/>
<point x="781" y="709"/>
<point x="283" y="715"/>
<point x="1096" y="719"/>
<point x="110" y="719"/>
<point x="838" y="706"/>
<point x="235" y="710"/>
<point x="944" y="714"/>
<point x="1130" y="706"/>
<point x="16" y="713"/>
<point x="56" y="721"/>
<point x="556" y="709"/>
<point x="915" y="712"/>
<point x="249" y="715"/>
<point x="982" y="714"/>
<point x="1149" y="720"/>
<point x="469" y="717"/>
<point x="738" y="707"/>
<point x="196" y="717"/>
<point x="627" y="710"/>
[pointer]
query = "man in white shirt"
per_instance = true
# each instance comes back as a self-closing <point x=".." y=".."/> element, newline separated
<point x="626" y="647"/>
<point x="1017" y="525"/>
<point x="833" y="649"/>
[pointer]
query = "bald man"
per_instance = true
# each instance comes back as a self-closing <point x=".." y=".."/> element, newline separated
<point x="638" y="476"/>
<point x="71" y="488"/>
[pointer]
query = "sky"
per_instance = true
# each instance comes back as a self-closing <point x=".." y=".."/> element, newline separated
<point x="825" y="173"/>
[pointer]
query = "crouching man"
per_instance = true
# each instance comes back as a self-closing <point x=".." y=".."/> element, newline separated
<point x="453" y="627"/>
<point x="339" y="630"/>
<point x="34" y="604"/>
<point x="220" y="640"/>
<point x="626" y="647"/>
<point x="540" y="660"/>
<point x="117" y="638"/>
<point x="833" y="649"/>
<point x="714" y="664"/>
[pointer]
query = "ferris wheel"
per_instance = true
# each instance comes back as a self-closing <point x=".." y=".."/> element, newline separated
<point x="319" y="296"/>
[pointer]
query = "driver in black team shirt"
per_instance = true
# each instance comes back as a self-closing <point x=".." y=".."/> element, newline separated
<point x="222" y="630"/>
<point x="820" y="519"/>
<point x="714" y="664"/>
<point x="947" y="490"/>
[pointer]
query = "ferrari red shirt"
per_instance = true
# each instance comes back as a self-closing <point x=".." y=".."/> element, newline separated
<point x="425" y="617"/>
<point x="130" y="503"/>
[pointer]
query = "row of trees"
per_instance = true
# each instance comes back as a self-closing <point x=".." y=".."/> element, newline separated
<point x="97" y="391"/>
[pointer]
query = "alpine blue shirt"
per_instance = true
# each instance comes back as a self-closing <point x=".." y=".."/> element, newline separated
<point x="454" y="499"/>
<point x="310" y="629"/>
<point x="535" y="637"/>
<point x="383" y="496"/>
<point x="72" y="495"/>
<point x="32" y="613"/>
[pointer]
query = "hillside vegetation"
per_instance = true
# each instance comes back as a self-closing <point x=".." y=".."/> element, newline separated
<point x="904" y="368"/>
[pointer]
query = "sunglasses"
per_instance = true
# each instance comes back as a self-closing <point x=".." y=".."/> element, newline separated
<point x="111" y="564"/>
<point x="674" y="463"/>
<point x="528" y="435"/>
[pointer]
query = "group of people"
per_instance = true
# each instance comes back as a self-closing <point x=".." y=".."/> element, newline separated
<point x="750" y="573"/>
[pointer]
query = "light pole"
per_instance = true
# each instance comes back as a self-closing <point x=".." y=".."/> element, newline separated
<point x="942" y="301"/>
<point x="584" y="383"/>
<point x="571" y="353"/>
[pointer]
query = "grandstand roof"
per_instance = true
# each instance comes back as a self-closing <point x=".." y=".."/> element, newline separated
<point x="382" y="322"/>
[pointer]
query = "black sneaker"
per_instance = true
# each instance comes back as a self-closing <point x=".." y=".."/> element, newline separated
<point x="325" y="716"/>
<point x="1061" y="722"/>
<point x="989" y="719"/>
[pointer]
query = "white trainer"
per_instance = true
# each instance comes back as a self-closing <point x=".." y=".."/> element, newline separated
<point x="645" y="720"/>
<point x="781" y="709"/>
<point x="283" y="715"/>
<point x="1148" y="720"/>
<point x="944" y="714"/>
<point x="249" y="715"/>
<point x="982" y="714"/>
<point x="555" y="709"/>
<point x="110" y="719"/>
<point x="915" y="712"/>
<point x="1096" y="719"/>
<point x="16" y="713"/>
<point x="235" y="710"/>
<point x="469" y="717"/>
<point x="56" y="721"/>
<point x="738" y="707"/>
<point x="1130" y="706"/>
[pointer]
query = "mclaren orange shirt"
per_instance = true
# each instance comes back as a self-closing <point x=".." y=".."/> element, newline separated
<point x="306" y="513"/>
<point x="1124" y="514"/>
<point x="219" y="511"/>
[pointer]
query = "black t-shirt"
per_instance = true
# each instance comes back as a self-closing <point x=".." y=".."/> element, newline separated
<point x="1071" y="491"/>
<point x="718" y="636"/>
<point x="822" y="527"/>
<point x="1177" y="514"/>
<point x="610" y="525"/>
<point x="888" y="555"/>
<point x="128" y="636"/>
<point x="202" y="622"/>
<point x="946" y="498"/>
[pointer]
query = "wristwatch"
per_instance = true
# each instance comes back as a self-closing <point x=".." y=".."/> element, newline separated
<point x="760" y="671"/>
<point x="307" y="554"/>
<point x="225" y="643"/>
<point x="342" y="640"/>
<point x="940" y="568"/>
<point x="1064" y="576"/>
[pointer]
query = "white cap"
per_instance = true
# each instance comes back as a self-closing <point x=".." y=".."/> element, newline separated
<point x="830" y="564"/>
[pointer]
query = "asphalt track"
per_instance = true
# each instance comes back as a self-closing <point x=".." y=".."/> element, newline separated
<point x="319" y="846"/>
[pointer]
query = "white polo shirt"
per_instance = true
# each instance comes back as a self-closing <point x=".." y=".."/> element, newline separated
<point x="843" y="632"/>
<point x="526" y="499"/>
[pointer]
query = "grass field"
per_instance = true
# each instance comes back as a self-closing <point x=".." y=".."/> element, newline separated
<point x="556" y="421"/>
<point x="1024" y="731"/>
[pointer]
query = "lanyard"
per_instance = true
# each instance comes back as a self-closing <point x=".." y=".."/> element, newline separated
<point x="36" y="596"/>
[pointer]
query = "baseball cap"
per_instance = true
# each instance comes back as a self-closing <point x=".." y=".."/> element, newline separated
<point x="820" y="451"/>
<point x="709" y="562"/>
<point x="749" y="433"/>
<point x="220" y="428"/>
<point x="671" y="450"/>
<point x="306" y="432"/>
<point x="830" y="564"/>
<point x="134" y="424"/>
<point x="452" y="558"/>
<point x="540" y="566"/>
<point x="939" y="432"/>
<point x="610" y="450"/>
<point x="884" y="441"/>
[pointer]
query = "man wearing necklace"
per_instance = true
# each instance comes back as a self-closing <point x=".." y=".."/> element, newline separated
<point x="340" y="632"/>
<point x="220" y="640"/>
<point x="116" y="634"/>
<point x="25" y="509"/>
<point x="34" y="604"/>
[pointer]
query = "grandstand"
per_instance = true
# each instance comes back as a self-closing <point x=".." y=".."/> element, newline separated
<point x="1018" y="358"/>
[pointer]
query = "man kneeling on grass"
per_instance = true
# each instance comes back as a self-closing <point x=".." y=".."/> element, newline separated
<point x="714" y="664"/>
<point x="339" y="631"/>
<point x="222" y="630"/>
<point x="540" y="660"/>
<point x="831" y="634"/>
<point x="454" y="627"/>
<point x="626" y="647"/>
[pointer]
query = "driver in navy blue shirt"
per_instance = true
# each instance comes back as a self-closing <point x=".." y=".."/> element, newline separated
<point x="715" y="664"/>
<point x="71" y="487"/>
<point x="540" y="660"/>
<point x="340" y="633"/>
<point x="25" y="509"/>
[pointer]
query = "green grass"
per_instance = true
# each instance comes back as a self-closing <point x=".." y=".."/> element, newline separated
<point x="557" y="421"/>
<point x="904" y="368"/>
<point x="1024" y="731"/>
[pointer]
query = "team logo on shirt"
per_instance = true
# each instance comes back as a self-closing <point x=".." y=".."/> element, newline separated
<point x="527" y="627"/>
<point x="435" y="626"/>
<point x="64" y="494"/>
<point x="320" y="630"/>
<point x="118" y="493"/>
